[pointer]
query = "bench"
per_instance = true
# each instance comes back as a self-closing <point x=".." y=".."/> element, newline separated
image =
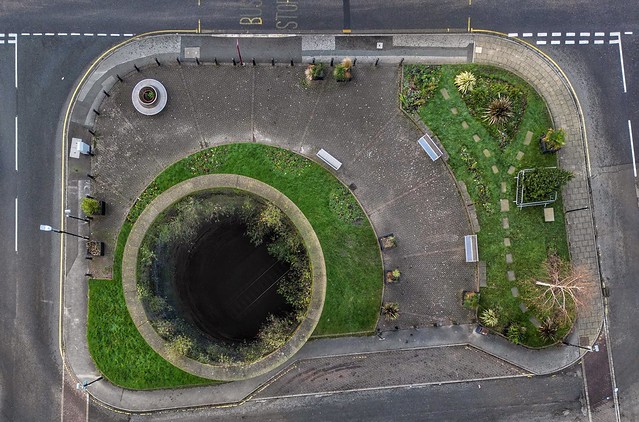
<point x="470" y="242"/>
<point x="333" y="162"/>
<point x="430" y="147"/>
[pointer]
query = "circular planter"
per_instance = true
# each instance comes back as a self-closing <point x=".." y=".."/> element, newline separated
<point x="235" y="371"/>
<point x="149" y="97"/>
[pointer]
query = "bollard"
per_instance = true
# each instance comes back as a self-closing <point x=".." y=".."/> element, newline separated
<point x="376" y="62"/>
<point x="401" y="62"/>
<point x="215" y="60"/>
<point x="96" y="112"/>
<point x="197" y="61"/>
<point x="292" y="62"/>
<point x="157" y="61"/>
<point x="106" y="93"/>
<point x="313" y="60"/>
<point x="234" y="64"/>
<point x="136" y="68"/>
<point x="254" y="64"/>
<point x="354" y="61"/>
<point x="90" y="176"/>
<point x="273" y="61"/>
<point x="91" y="132"/>
<point x="119" y="78"/>
<point x="331" y="62"/>
<point x="178" y="60"/>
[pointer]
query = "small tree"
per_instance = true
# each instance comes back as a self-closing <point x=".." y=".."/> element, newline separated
<point x="342" y="71"/>
<point x="499" y="111"/>
<point x="390" y="310"/>
<point x="553" y="140"/>
<point x="315" y="72"/>
<point x="465" y="82"/>
<point x="489" y="318"/>
<point x="541" y="183"/>
<point x="90" y="206"/>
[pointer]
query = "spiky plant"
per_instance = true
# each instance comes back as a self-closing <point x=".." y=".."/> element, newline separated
<point x="465" y="82"/>
<point x="390" y="310"/>
<point x="499" y="111"/>
<point x="516" y="333"/>
<point x="489" y="318"/>
<point x="548" y="329"/>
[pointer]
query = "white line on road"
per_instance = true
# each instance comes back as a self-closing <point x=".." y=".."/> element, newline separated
<point x="542" y="34"/>
<point x="584" y="42"/>
<point x="599" y="41"/>
<point x="15" y="60"/>
<point x="62" y="33"/>
<point x="11" y="42"/>
<point x="570" y="42"/>
<point x="632" y="148"/>
<point x="16" y="142"/>
<point x="623" y="72"/>
<point x="584" y="34"/>
<point x="613" y="42"/>
<point x="570" y="34"/>
<point x="25" y="33"/>
<point x="556" y="34"/>
<point x="127" y="35"/>
<point x="615" y="34"/>
<point x="555" y="42"/>
<point x="37" y="33"/>
<point x="510" y="34"/>
<point x="527" y="34"/>
<point x="102" y="35"/>
<point x="88" y="34"/>
<point x="600" y="34"/>
<point x="1" y="41"/>
<point x="115" y="35"/>
<point x="1" y="34"/>
<point x="75" y="33"/>
<point x="628" y="32"/>
<point x="539" y="42"/>
<point x="49" y="34"/>
<point x="16" y="226"/>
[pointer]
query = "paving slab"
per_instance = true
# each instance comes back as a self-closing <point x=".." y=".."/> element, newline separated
<point x="528" y="138"/>
<point x="511" y="170"/>
<point x="505" y="223"/>
<point x="504" y="205"/>
<point x="510" y="275"/>
<point x="486" y="153"/>
<point x="506" y="241"/>
<point x="445" y="93"/>
<point x="519" y="155"/>
<point x="454" y="110"/>
<point x="495" y="169"/>
<point x="509" y="258"/>
<point x="464" y="125"/>
<point x="514" y="291"/>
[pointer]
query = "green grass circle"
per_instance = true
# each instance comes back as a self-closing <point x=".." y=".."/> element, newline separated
<point x="352" y="256"/>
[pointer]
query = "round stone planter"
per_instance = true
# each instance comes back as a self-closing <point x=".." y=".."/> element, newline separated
<point x="149" y="97"/>
<point x="242" y="370"/>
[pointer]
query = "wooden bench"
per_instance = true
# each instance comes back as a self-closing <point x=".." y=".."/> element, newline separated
<point x="470" y="242"/>
<point x="430" y="147"/>
<point x="333" y="162"/>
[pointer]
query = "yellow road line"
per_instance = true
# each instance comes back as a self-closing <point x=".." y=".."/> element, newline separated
<point x="346" y="31"/>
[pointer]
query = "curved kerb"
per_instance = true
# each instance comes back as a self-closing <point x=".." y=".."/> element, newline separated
<point x="318" y="289"/>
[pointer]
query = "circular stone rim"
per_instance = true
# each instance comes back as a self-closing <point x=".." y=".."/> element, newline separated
<point x="318" y="287"/>
<point x="160" y="101"/>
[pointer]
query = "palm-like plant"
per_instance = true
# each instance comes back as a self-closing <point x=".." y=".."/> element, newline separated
<point x="390" y="310"/>
<point x="499" y="111"/>
<point x="489" y="318"/>
<point x="465" y="82"/>
<point x="548" y="329"/>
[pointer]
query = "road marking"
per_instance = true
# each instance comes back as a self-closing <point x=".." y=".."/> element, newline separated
<point x="600" y="34"/>
<point x="1" y="41"/>
<point x="127" y="35"/>
<point x="615" y="34"/>
<point x="628" y="32"/>
<point x="613" y="42"/>
<point x="599" y="41"/>
<point x="16" y="226"/>
<point x="13" y="34"/>
<point x="570" y="42"/>
<point x="513" y="34"/>
<point x="570" y="34"/>
<point x="542" y="34"/>
<point x="88" y="34"/>
<point x="25" y="33"/>
<point x="555" y="42"/>
<point x="37" y="33"/>
<point x="539" y="42"/>
<point x="75" y="33"/>
<point x="623" y="72"/>
<point x="632" y="148"/>
<point x="16" y="142"/>
<point x="62" y="33"/>
<point x="11" y="42"/>
<point x="584" y="34"/>
<point x="102" y="35"/>
<point x="584" y="42"/>
<point x="15" y="69"/>
<point x="556" y="34"/>
<point x="1" y="34"/>
<point x="49" y="34"/>
<point x="115" y="35"/>
<point x="527" y="34"/>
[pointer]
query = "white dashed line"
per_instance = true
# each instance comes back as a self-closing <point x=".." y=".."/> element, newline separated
<point x="115" y="35"/>
<point x="615" y="34"/>
<point x="13" y="34"/>
<point x="75" y="34"/>
<point x="37" y="33"/>
<point x="555" y="42"/>
<point x="599" y="41"/>
<point x="584" y="42"/>
<point x="613" y="42"/>
<point x="570" y="42"/>
<point x="2" y="34"/>
<point x="16" y="226"/>
<point x="632" y="148"/>
<point x="600" y="34"/>
<point x="511" y="34"/>
<point x="1" y="41"/>
<point x="62" y="33"/>
<point x="570" y="34"/>
<point x="527" y="34"/>
<point x="25" y="33"/>
<point x="623" y="72"/>
<point x="102" y="35"/>
<point x="127" y="35"/>
<point x="584" y="34"/>
<point x="88" y="35"/>
<point x="542" y="34"/>
<point x="628" y="32"/>
<point x="556" y="34"/>
<point x="541" y="42"/>
<point x="49" y="34"/>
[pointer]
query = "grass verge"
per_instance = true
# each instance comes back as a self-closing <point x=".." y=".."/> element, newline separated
<point x="472" y="162"/>
<point x="351" y="253"/>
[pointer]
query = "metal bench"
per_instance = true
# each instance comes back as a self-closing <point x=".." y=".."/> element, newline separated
<point x="470" y="242"/>
<point x="430" y="147"/>
<point x="329" y="159"/>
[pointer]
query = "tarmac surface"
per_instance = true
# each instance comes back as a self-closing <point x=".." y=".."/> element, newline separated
<point x="399" y="187"/>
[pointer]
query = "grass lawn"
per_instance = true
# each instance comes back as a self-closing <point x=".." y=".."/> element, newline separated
<point x="531" y="238"/>
<point x="353" y="265"/>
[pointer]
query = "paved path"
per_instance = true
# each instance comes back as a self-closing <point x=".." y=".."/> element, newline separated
<point x="393" y="180"/>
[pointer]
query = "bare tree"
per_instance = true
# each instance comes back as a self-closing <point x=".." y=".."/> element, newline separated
<point x="565" y="285"/>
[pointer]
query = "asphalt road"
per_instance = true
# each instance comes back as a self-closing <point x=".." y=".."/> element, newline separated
<point x="30" y="372"/>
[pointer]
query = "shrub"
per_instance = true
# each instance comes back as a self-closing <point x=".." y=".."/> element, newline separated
<point x="390" y="310"/>
<point x="553" y="140"/>
<point x="471" y="300"/>
<point x="90" y="206"/>
<point x="180" y="346"/>
<point x="342" y="71"/>
<point x="541" y="183"/>
<point x="342" y="203"/>
<point x="516" y="333"/>
<point x="489" y="318"/>
<point x="499" y="111"/>
<point x="315" y="72"/>
<point x="465" y="82"/>
<point x="274" y="332"/>
<point x="419" y="85"/>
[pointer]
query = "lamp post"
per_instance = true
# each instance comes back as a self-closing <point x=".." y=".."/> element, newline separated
<point x="67" y="213"/>
<point x="580" y="347"/>
<point x="84" y="384"/>
<point x="46" y="228"/>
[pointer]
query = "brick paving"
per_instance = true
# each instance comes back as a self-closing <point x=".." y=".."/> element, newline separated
<point x="383" y="369"/>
